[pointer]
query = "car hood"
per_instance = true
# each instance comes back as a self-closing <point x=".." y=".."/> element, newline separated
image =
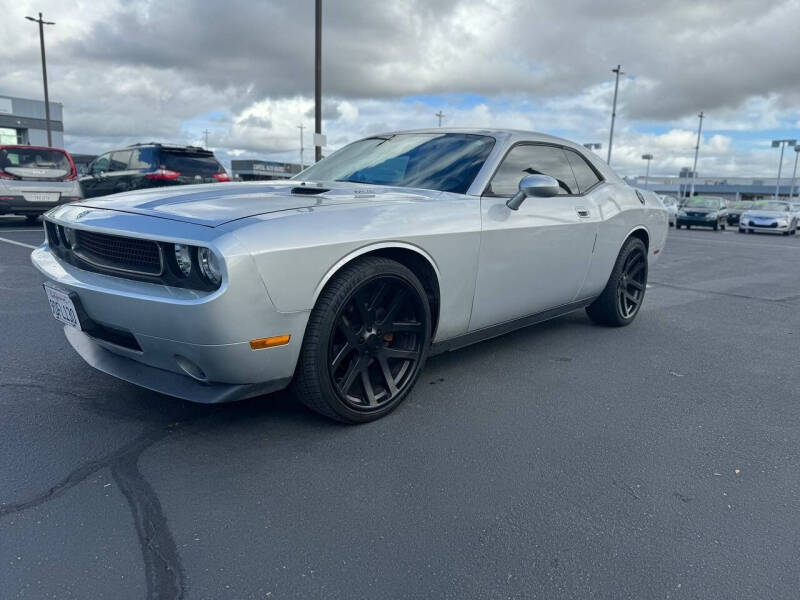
<point x="215" y="204"/>
<point x="700" y="210"/>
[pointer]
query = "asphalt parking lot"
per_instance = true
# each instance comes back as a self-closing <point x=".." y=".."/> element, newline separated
<point x="566" y="460"/>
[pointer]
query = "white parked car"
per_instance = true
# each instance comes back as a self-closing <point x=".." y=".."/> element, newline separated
<point x="34" y="179"/>
<point x="345" y="279"/>
<point x="770" y="217"/>
<point x="671" y="204"/>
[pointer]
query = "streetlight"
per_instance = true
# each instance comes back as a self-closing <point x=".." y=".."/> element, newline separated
<point x="648" y="158"/>
<point x="593" y="146"/>
<point x="619" y="72"/>
<point x="781" y="144"/>
<point x="42" y="23"/>
<point x="300" y="127"/>
<point x="794" y="173"/>
<point x="318" y="139"/>
<point x="696" y="152"/>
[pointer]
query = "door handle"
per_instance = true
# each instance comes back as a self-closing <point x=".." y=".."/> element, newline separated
<point x="583" y="212"/>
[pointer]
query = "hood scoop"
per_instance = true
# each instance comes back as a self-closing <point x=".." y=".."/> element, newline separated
<point x="308" y="191"/>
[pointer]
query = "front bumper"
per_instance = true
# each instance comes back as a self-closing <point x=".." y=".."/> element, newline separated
<point x="752" y="226"/>
<point x="165" y="382"/>
<point x="696" y="221"/>
<point x="173" y="327"/>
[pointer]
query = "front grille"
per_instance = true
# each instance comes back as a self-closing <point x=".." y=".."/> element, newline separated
<point x="695" y="214"/>
<point x="119" y="253"/>
<point x="754" y="224"/>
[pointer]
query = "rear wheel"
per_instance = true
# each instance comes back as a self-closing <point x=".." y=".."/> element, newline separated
<point x="622" y="297"/>
<point x="366" y="341"/>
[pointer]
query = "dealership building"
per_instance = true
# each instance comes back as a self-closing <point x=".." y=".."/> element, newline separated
<point x="252" y="170"/>
<point x="22" y="121"/>
<point x="730" y="188"/>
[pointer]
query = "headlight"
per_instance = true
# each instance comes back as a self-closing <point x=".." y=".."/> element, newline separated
<point x="183" y="258"/>
<point x="209" y="265"/>
<point x="712" y="215"/>
<point x="782" y="222"/>
<point x="681" y="213"/>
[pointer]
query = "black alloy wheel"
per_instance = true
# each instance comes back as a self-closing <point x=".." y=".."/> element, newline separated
<point x="376" y="348"/>
<point x="630" y="290"/>
<point x="366" y="341"/>
<point x="620" y="301"/>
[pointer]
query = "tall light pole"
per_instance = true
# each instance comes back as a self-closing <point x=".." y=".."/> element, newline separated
<point x="781" y="144"/>
<point x="439" y="114"/>
<point x="648" y="158"/>
<point x="696" y="152"/>
<point x="619" y="72"/>
<point x="42" y="23"/>
<point x="593" y="146"/>
<point x="794" y="173"/>
<point x="300" y="127"/>
<point x="205" y="134"/>
<point x="318" y="80"/>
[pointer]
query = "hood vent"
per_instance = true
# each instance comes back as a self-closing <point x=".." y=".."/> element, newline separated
<point x="308" y="191"/>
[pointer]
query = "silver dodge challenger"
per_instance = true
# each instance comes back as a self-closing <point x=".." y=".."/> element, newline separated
<point x="342" y="281"/>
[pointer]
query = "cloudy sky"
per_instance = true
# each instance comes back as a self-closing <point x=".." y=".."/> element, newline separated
<point x="165" y="71"/>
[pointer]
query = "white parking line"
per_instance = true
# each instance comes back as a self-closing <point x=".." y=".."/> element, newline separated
<point x="16" y="243"/>
<point x="748" y="244"/>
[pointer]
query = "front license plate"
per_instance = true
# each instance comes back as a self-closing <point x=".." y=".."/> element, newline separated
<point x="41" y="196"/>
<point x="62" y="306"/>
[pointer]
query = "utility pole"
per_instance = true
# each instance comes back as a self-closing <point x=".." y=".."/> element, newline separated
<point x="205" y="133"/>
<point x="42" y="23"/>
<point x="317" y="80"/>
<point x="618" y="72"/>
<point x="794" y="173"/>
<point x="648" y="158"/>
<point x="696" y="152"/>
<point x="781" y="144"/>
<point x="439" y="114"/>
<point x="300" y="127"/>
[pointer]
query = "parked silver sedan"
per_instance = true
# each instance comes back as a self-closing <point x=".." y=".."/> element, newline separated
<point x="34" y="179"/>
<point x="770" y="217"/>
<point x="342" y="281"/>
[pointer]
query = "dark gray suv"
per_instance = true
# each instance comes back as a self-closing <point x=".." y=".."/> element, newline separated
<point x="150" y="165"/>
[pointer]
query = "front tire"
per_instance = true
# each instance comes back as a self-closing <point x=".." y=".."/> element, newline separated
<point x="366" y="342"/>
<point x="622" y="297"/>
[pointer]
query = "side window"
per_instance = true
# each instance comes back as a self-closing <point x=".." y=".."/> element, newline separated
<point x="584" y="174"/>
<point x="142" y="158"/>
<point x="101" y="163"/>
<point x="120" y="160"/>
<point x="532" y="160"/>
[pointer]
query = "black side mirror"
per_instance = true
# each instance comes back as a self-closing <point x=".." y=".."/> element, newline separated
<point x="536" y="186"/>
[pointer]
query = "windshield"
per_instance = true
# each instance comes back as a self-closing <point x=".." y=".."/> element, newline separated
<point x="34" y="158"/>
<point x="446" y="162"/>
<point x="773" y="206"/>
<point x="698" y="202"/>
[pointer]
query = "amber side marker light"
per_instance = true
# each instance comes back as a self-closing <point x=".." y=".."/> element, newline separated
<point x="270" y="342"/>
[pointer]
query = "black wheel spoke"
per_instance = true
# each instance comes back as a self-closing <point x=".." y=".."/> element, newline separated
<point x="403" y="326"/>
<point x="636" y="268"/>
<point x="636" y="284"/>
<point x="398" y="353"/>
<point x="394" y="307"/>
<point x="368" y="389"/>
<point x="341" y="355"/>
<point x="347" y="329"/>
<point x="352" y="374"/>
<point x="362" y="301"/>
<point x="387" y="375"/>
